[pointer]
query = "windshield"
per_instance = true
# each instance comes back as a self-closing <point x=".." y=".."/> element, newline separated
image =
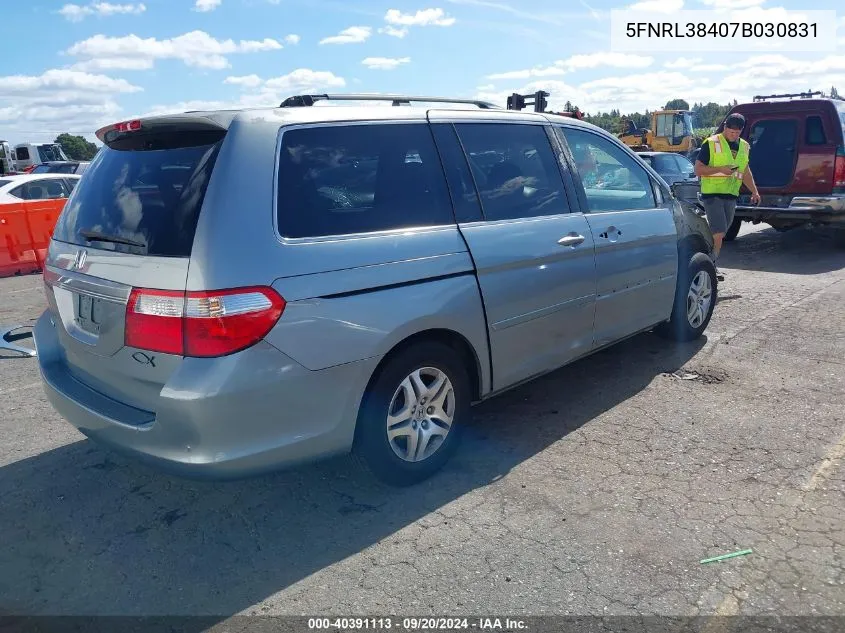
<point x="41" y="169"/>
<point x="48" y="153"/>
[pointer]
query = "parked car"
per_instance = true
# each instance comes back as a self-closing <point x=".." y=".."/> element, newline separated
<point x="29" y="208"/>
<point x="61" y="167"/>
<point x="315" y="280"/>
<point x="798" y="162"/>
<point x="673" y="168"/>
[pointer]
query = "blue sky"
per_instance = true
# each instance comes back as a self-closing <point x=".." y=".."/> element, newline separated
<point x="73" y="66"/>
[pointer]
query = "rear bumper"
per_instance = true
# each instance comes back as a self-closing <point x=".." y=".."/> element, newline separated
<point x="236" y="416"/>
<point x="816" y="209"/>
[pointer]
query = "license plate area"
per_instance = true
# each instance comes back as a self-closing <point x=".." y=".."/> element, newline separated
<point x="88" y="314"/>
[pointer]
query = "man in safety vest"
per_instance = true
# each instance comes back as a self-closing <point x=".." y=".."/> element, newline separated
<point x="722" y="166"/>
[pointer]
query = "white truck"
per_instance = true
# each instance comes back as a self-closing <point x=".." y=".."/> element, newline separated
<point x="29" y="155"/>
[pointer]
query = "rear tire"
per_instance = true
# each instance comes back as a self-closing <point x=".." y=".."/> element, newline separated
<point x="696" y="295"/>
<point x="422" y="421"/>
<point x="733" y="230"/>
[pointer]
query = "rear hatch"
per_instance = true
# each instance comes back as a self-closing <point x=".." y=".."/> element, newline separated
<point x="129" y="225"/>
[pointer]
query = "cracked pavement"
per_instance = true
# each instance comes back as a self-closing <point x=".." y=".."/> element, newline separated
<point x="593" y="491"/>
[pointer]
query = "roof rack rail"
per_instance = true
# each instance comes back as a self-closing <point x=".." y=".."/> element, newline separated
<point x="803" y="95"/>
<point x="297" y="101"/>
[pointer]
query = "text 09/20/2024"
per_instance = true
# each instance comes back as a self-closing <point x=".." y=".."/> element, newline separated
<point x="416" y="624"/>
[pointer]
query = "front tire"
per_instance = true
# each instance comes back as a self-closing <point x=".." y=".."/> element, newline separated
<point x="413" y="414"/>
<point x="695" y="299"/>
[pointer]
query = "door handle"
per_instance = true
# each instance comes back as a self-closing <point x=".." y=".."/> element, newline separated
<point x="571" y="240"/>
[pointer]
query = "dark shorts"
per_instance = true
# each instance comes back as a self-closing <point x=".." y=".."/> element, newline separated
<point x="720" y="213"/>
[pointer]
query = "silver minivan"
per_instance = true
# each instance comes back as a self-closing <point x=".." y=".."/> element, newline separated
<point x="234" y="292"/>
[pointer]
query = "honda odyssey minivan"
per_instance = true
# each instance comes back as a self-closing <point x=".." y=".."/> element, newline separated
<point x="234" y="292"/>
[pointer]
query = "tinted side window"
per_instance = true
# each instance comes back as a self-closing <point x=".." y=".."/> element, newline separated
<point x="515" y="170"/>
<point x="814" y="134"/>
<point x="22" y="153"/>
<point x="337" y="180"/>
<point x="461" y="185"/>
<point x="773" y="145"/>
<point x="612" y="180"/>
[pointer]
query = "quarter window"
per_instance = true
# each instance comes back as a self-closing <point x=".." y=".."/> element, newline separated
<point x="515" y="170"/>
<point x="339" y="180"/>
<point x="612" y="180"/>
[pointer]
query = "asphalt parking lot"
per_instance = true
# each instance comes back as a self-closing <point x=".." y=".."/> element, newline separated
<point x="595" y="490"/>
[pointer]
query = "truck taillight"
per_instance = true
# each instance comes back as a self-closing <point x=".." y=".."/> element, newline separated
<point x="201" y="324"/>
<point x="839" y="171"/>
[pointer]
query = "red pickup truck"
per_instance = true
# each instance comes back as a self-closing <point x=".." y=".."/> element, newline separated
<point x="798" y="161"/>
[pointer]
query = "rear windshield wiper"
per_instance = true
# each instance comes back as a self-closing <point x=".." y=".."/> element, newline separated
<point x="96" y="236"/>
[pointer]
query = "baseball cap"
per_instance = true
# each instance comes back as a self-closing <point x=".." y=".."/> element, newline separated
<point x="735" y="121"/>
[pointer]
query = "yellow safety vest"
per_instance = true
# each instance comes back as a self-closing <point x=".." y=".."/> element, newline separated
<point x="722" y="156"/>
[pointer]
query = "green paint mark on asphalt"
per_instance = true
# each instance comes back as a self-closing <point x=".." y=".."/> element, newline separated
<point x="742" y="552"/>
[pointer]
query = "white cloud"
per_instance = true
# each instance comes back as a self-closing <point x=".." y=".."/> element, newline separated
<point x="615" y="60"/>
<point x="547" y="71"/>
<point x="131" y="52"/>
<point x="38" y="108"/>
<point x="393" y="31"/>
<point x="61" y="81"/>
<point x="77" y="13"/>
<point x="579" y="62"/>
<point x="424" y="17"/>
<point x="352" y="35"/>
<point x="247" y="81"/>
<point x="257" y="92"/>
<point x="204" y="6"/>
<point x="293" y="39"/>
<point x="657" y="6"/>
<point x="385" y="63"/>
<point x="683" y="62"/>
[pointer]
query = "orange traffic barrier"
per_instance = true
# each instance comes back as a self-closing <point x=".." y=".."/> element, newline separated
<point x="41" y="217"/>
<point x="17" y="255"/>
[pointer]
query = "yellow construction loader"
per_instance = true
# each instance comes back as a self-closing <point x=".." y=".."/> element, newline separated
<point x="671" y="131"/>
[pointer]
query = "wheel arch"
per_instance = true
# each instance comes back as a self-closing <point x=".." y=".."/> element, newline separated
<point x="450" y="338"/>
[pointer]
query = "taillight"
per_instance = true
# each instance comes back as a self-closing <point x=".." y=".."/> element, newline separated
<point x="201" y="324"/>
<point x="839" y="171"/>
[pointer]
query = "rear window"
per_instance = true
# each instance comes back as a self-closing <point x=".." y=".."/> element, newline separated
<point x="151" y="197"/>
<point x="41" y="169"/>
<point x="773" y="149"/>
<point x="339" y="180"/>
